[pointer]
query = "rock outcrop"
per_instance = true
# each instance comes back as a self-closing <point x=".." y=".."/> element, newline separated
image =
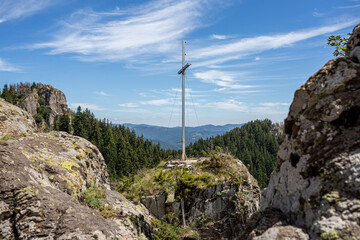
<point x="217" y="210"/>
<point x="222" y="211"/>
<point x="55" y="102"/>
<point x="44" y="179"/>
<point x="14" y="121"/>
<point x="353" y="45"/>
<point x="41" y="99"/>
<point x="316" y="183"/>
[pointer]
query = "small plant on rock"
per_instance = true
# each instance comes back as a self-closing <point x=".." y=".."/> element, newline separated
<point x="93" y="196"/>
<point x="107" y="211"/>
<point x="217" y="157"/>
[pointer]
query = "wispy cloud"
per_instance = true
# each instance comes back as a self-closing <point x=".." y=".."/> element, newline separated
<point x="101" y="93"/>
<point x="153" y="28"/>
<point x="231" y="104"/>
<point x="247" y="46"/>
<point x="86" y="105"/>
<point x="237" y="106"/>
<point x="268" y="110"/>
<point x="174" y="92"/>
<point x="349" y="6"/>
<point x="7" y="67"/>
<point x="132" y="110"/>
<point x="10" y="9"/>
<point x="318" y="13"/>
<point x="128" y="105"/>
<point x="219" y="37"/>
<point x="274" y="104"/>
<point x="157" y="102"/>
<point x="224" y="80"/>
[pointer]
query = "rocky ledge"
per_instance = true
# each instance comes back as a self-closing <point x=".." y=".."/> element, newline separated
<point x="55" y="186"/>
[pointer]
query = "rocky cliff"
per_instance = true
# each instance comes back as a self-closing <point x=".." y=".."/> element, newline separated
<point x="219" y="194"/>
<point x="14" y="121"/>
<point x="316" y="184"/>
<point x="55" y="186"/>
<point x="43" y="102"/>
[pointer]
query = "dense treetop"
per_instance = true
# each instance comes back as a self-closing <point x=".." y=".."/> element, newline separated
<point x="255" y="144"/>
<point x="123" y="151"/>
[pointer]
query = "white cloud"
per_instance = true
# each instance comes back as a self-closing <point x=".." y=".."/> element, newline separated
<point x="274" y="104"/>
<point x="7" y="67"/>
<point x="15" y="9"/>
<point x="317" y="13"/>
<point x="268" y="110"/>
<point x="132" y="110"/>
<point x="86" y="105"/>
<point x="153" y="28"/>
<point x="219" y="37"/>
<point x="231" y="105"/>
<point x="247" y="46"/>
<point x="101" y="93"/>
<point x="225" y="80"/>
<point x="157" y="102"/>
<point x="128" y="105"/>
<point x="350" y="6"/>
<point x="189" y="93"/>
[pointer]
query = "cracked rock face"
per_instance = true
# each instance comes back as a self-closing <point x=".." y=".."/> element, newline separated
<point x="55" y="101"/>
<point x="14" y="121"/>
<point x="353" y="45"/>
<point x="218" y="211"/>
<point x="317" y="180"/>
<point x="42" y="180"/>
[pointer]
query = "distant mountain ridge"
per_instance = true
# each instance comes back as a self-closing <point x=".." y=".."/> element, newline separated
<point x="170" y="138"/>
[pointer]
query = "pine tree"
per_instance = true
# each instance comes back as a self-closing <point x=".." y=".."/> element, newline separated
<point x="254" y="144"/>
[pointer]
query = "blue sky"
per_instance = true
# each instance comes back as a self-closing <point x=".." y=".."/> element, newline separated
<point x="120" y="58"/>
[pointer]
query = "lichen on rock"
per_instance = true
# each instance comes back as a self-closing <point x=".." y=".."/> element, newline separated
<point x="14" y="122"/>
<point x="43" y="177"/>
<point x="317" y="180"/>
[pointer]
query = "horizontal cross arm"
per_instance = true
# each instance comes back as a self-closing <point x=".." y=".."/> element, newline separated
<point x="182" y="70"/>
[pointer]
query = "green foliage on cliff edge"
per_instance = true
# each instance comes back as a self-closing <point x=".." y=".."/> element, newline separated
<point x="179" y="181"/>
<point x="340" y="44"/>
<point x="168" y="228"/>
<point x="255" y="144"/>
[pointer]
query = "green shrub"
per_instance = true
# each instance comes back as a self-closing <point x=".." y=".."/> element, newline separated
<point x="93" y="196"/>
<point x="166" y="231"/>
<point x="107" y="211"/>
<point x="168" y="228"/>
<point x="189" y="181"/>
<point x="217" y="157"/>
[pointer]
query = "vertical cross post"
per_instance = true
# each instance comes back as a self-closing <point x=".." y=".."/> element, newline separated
<point x="183" y="156"/>
<point x="182" y="71"/>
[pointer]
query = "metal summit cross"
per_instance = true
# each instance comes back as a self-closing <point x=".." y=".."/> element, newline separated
<point x="182" y="71"/>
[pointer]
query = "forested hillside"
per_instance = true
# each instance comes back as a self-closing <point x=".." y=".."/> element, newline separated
<point x="123" y="151"/>
<point x="255" y="144"/>
<point x="170" y="137"/>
